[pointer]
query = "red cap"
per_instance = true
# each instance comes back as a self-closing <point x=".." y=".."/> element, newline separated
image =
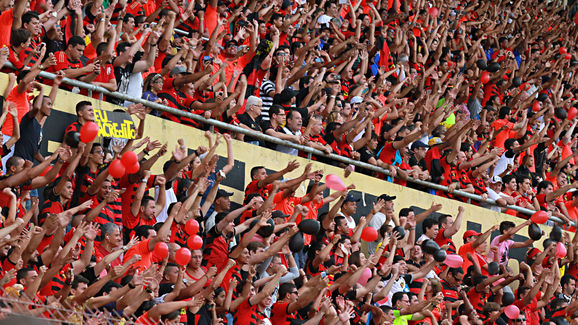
<point x="471" y="233"/>
<point x="532" y="253"/>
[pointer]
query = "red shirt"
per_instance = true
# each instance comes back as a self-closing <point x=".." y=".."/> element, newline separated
<point x="143" y="250"/>
<point x="280" y="315"/>
<point x="254" y="188"/>
<point x="247" y="314"/>
<point x="100" y="253"/>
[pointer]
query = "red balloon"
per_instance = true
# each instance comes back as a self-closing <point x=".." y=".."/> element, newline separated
<point x="192" y="227"/>
<point x="129" y="158"/>
<point x="485" y="78"/>
<point x="183" y="256"/>
<point x="369" y="234"/>
<point x="132" y="169"/>
<point x="536" y="106"/>
<point x="88" y="132"/>
<point x="161" y="250"/>
<point x="116" y="169"/>
<point x="572" y="113"/>
<point x="562" y="50"/>
<point x="433" y="11"/>
<point x="540" y="217"/>
<point x="568" y="56"/>
<point x="195" y="242"/>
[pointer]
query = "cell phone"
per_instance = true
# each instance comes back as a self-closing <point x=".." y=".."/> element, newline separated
<point x="243" y="23"/>
<point x="342" y="2"/>
<point x="146" y="25"/>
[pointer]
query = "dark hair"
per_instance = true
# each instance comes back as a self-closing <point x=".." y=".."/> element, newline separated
<point x="454" y="271"/>
<point x="13" y="161"/>
<point x="509" y="143"/>
<point x="142" y="231"/>
<point x="566" y="279"/>
<point x="505" y="225"/>
<point x="337" y="221"/>
<point x="75" y="41"/>
<point x="405" y="212"/>
<point x="504" y="111"/>
<point x="94" y="146"/>
<point x="145" y="200"/>
<point x="443" y="219"/>
<point x="276" y="109"/>
<point x="397" y="297"/>
<point x="522" y="290"/>
<point x="121" y="47"/>
<point x="22" y="273"/>
<point x="101" y="47"/>
<point x="256" y="169"/>
<point x="428" y="223"/>
<point x="285" y="289"/>
<point x="355" y="258"/>
<point x="542" y="185"/>
<point x="172" y="315"/>
<point x="127" y="16"/>
<point x="19" y="37"/>
<point x="78" y="279"/>
<point x="508" y="178"/>
<point x="291" y="113"/>
<point x="28" y="16"/>
<point x="81" y="105"/>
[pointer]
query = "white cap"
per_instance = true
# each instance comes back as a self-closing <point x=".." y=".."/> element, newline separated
<point x="496" y="179"/>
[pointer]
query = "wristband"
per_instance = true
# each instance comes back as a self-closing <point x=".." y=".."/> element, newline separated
<point x="146" y="152"/>
<point x="130" y="285"/>
<point x="196" y="152"/>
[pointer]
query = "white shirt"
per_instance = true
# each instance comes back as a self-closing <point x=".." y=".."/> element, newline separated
<point x="288" y="150"/>
<point x="494" y="196"/>
<point x="377" y="222"/>
<point x="502" y="164"/>
<point x="170" y="197"/>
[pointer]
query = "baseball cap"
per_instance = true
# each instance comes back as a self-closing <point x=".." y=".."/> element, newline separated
<point x="418" y="144"/>
<point x="350" y="198"/>
<point x="278" y="214"/>
<point x="356" y="100"/>
<point x="496" y="179"/>
<point x="222" y="193"/>
<point x="470" y="233"/>
<point x="178" y="70"/>
<point x="285" y="95"/>
<point x="386" y="197"/>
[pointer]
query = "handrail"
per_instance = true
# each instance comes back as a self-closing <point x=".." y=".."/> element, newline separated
<point x="265" y="137"/>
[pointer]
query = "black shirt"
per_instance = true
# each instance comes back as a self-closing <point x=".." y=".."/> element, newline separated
<point x="252" y="124"/>
<point x="27" y="146"/>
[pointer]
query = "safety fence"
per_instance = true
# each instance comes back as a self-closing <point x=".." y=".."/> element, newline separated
<point x="19" y="310"/>
<point x="310" y="151"/>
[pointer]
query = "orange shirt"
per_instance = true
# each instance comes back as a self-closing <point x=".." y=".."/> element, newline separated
<point x="141" y="249"/>
<point x="6" y="18"/>
<point x="572" y="210"/>
<point x="22" y="105"/>
<point x="504" y="134"/>
<point x="463" y="252"/>
<point x="287" y="204"/>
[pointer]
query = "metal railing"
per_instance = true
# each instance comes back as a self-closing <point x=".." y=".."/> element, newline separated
<point x="264" y="137"/>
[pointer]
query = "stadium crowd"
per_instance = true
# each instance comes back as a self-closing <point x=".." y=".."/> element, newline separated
<point x="479" y="96"/>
